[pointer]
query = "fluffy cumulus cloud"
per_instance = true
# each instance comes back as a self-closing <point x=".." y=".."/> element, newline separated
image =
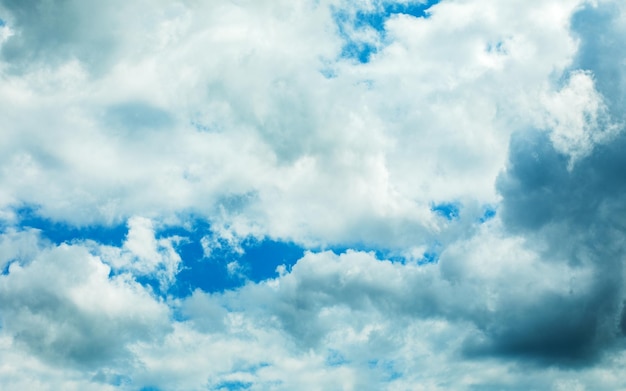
<point x="329" y="194"/>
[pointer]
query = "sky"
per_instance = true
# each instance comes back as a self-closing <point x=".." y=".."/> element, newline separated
<point x="312" y="195"/>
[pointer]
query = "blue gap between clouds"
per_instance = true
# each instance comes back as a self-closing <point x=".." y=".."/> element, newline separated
<point x="58" y="232"/>
<point x="5" y="269"/>
<point x="431" y="255"/>
<point x="258" y="262"/>
<point x="452" y="211"/>
<point x="376" y="20"/>
<point x="490" y="213"/>
<point x="361" y="50"/>
<point x="234" y="385"/>
<point x="448" y="210"/>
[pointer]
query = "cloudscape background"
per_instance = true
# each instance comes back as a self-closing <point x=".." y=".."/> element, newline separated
<point x="312" y="195"/>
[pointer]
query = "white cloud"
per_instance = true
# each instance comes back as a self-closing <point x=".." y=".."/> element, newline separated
<point x="18" y="245"/>
<point x="578" y="117"/>
<point x="314" y="159"/>
<point x="142" y="254"/>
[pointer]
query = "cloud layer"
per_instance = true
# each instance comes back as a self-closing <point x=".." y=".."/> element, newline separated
<point x="440" y="184"/>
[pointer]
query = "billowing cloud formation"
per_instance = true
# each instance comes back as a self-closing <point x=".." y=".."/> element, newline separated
<point x="440" y="185"/>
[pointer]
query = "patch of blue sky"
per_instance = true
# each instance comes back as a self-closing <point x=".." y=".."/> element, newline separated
<point x="258" y="261"/>
<point x="430" y="256"/>
<point x="2" y="23"/>
<point x="208" y="274"/>
<point x="351" y="49"/>
<point x="265" y="256"/>
<point x="375" y="19"/>
<point x="448" y="210"/>
<point x="233" y="386"/>
<point x="59" y="232"/>
<point x="380" y="253"/>
<point x="360" y="51"/>
<point x="5" y="269"/>
<point x="418" y="9"/>
<point x="490" y="213"/>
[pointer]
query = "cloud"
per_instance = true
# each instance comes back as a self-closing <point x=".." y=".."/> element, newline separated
<point x="451" y="170"/>
<point x="144" y="255"/>
<point x="565" y="211"/>
<point x="579" y="118"/>
<point x="165" y="128"/>
<point x="62" y="305"/>
<point x="565" y="214"/>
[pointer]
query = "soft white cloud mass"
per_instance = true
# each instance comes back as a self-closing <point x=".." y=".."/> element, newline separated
<point x="453" y="171"/>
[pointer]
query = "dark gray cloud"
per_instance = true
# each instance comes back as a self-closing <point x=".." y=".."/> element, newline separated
<point x="571" y="217"/>
<point x="602" y="51"/>
<point x="574" y="216"/>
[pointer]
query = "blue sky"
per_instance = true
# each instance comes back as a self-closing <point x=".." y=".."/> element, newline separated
<point x="374" y="17"/>
<point x="312" y="194"/>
